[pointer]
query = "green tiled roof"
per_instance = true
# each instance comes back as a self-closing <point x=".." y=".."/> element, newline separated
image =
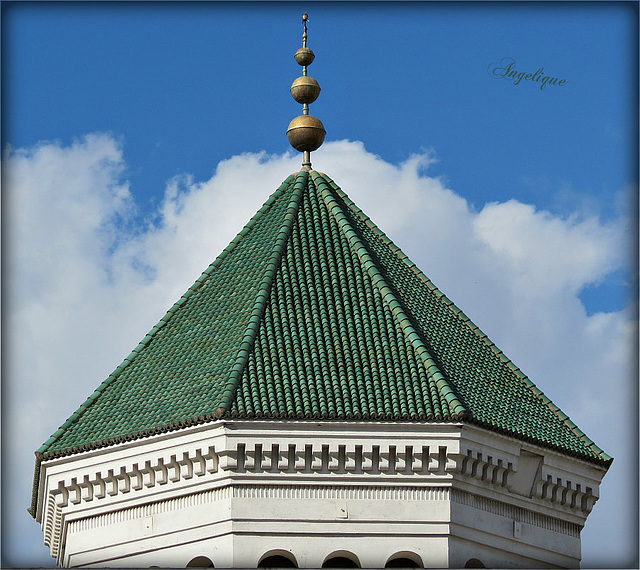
<point x="311" y="312"/>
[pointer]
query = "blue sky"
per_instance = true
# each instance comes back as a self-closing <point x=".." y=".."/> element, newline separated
<point x="170" y="91"/>
<point x="188" y="85"/>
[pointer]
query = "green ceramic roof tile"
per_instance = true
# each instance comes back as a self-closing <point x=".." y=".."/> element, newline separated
<point x="311" y="312"/>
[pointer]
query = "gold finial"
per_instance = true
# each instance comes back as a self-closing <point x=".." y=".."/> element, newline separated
<point x="305" y="133"/>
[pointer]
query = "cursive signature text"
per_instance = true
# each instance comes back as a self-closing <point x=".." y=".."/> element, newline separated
<point x="506" y="69"/>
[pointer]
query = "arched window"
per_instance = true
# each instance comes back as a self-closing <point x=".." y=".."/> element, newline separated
<point x="474" y="563"/>
<point x="404" y="560"/>
<point x="200" y="562"/>
<point x="342" y="559"/>
<point x="278" y="559"/>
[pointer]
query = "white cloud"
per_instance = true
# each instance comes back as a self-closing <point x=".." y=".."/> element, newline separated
<point x="548" y="253"/>
<point x="84" y="285"/>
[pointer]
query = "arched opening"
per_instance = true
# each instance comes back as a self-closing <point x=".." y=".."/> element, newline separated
<point x="278" y="559"/>
<point x="404" y="560"/>
<point x="474" y="563"/>
<point x="342" y="559"/>
<point x="200" y="562"/>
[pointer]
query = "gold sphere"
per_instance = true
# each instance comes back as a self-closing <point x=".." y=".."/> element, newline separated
<point x="305" y="89"/>
<point x="304" y="56"/>
<point x="306" y="133"/>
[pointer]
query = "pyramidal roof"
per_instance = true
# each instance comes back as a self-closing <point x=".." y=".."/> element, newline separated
<point x="312" y="313"/>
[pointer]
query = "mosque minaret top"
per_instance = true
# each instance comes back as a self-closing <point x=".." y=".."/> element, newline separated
<point x="305" y="133"/>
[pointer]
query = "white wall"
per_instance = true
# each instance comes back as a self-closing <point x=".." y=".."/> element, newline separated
<point x="233" y="491"/>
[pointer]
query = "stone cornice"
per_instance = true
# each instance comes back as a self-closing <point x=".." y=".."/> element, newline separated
<point x="442" y="455"/>
<point x="549" y="487"/>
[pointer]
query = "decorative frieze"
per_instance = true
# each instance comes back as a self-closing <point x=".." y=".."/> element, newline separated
<point x="335" y="458"/>
<point x="406" y="461"/>
<point x="137" y="476"/>
<point x="500" y="473"/>
<point x="518" y="514"/>
<point x="485" y="468"/>
<point x="325" y="493"/>
<point x="151" y="509"/>
<point x="565" y="493"/>
<point x="342" y="492"/>
<point x="52" y="526"/>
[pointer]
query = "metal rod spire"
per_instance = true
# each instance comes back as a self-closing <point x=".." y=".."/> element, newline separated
<point x="305" y="133"/>
<point x="305" y="18"/>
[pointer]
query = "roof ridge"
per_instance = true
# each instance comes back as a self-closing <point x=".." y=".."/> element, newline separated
<point x="459" y="411"/>
<point x="149" y="336"/>
<point x="264" y="290"/>
<point x="466" y="320"/>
